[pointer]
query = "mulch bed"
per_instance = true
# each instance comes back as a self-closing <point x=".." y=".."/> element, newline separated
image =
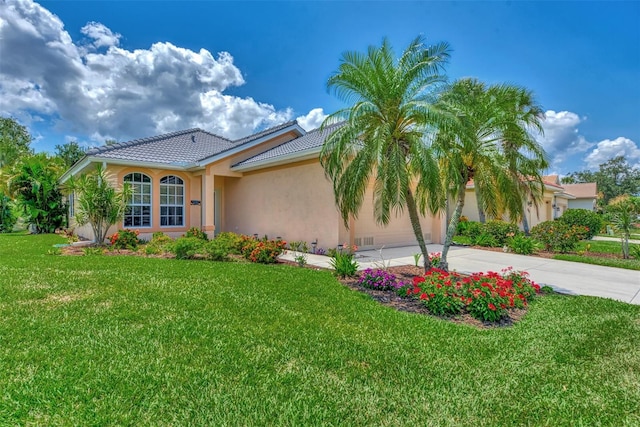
<point x="407" y="273"/>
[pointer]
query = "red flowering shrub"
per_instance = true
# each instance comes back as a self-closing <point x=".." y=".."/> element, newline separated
<point x="125" y="239"/>
<point x="485" y="296"/>
<point x="556" y="236"/>
<point x="262" y="251"/>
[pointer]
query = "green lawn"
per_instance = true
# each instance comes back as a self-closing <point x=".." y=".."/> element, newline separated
<point x="111" y="340"/>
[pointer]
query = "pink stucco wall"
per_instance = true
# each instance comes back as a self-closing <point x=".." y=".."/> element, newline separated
<point x="294" y="202"/>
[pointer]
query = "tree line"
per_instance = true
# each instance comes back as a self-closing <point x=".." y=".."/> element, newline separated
<point x="29" y="186"/>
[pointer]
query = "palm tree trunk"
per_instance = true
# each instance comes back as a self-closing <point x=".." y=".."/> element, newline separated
<point x="451" y="228"/>
<point x="525" y="223"/>
<point x="481" y="216"/>
<point x="417" y="229"/>
<point x="625" y="245"/>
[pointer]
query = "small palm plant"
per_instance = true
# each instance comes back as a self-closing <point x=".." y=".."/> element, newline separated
<point x="98" y="202"/>
<point x="623" y="213"/>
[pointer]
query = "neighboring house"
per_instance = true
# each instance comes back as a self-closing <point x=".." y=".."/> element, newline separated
<point x="586" y="195"/>
<point x="270" y="183"/>
<point x="555" y="201"/>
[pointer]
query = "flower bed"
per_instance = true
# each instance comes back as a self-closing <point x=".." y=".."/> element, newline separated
<point x="487" y="297"/>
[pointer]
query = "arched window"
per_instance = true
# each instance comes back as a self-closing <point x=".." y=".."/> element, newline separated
<point x="171" y="201"/>
<point x="138" y="213"/>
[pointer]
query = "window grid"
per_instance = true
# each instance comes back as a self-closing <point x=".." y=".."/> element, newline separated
<point x="72" y="207"/>
<point x="171" y="201"/>
<point x="138" y="212"/>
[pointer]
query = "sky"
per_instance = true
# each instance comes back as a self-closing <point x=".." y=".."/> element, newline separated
<point x="92" y="70"/>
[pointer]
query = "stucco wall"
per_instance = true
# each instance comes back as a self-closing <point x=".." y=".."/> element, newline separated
<point x="294" y="202"/>
<point x="192" y="191"/>
<point x="587" y="204"/>
<point x="397" y="233"/>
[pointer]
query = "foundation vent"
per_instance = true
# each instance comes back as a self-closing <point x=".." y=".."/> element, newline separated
<point x="427" y="238"/>
<point x="363" y="241"/>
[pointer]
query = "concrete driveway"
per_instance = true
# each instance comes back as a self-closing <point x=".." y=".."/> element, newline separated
<point x="564" y="276"/>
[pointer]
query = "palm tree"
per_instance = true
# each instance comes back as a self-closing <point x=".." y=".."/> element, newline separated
<point x="98" y="202"/>
<point x="623" y="212"/>
<point x="490" y="143"/>
<point x="382" y="135"/>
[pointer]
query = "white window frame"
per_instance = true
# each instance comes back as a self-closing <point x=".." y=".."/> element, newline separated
<point x="72" y="206"/>
<point x="133" y="203"/>
<point x="172" y="198"/>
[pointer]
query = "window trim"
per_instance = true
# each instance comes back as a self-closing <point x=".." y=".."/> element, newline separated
<point x="150" y="183"/>
<point x="72" y="205"/>
<point x="183" y="206"/>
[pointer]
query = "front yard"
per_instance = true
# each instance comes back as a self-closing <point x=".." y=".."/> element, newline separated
<point x="148" y="341"/>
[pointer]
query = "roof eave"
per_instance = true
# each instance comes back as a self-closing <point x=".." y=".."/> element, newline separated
<point x="250" y="144"/>
<point x="83" y="164"/>
<point x="310" y="153"/>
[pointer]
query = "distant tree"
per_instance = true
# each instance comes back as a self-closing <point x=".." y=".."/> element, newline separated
<point x="70" y="153"/>
<point x="623" y="213"/>
<point x="34" y="185"/>
<point x="614" y="178"/>
<point x="98" y="203"/>
<point x="14" y="141"/>
<point x="110" y="142"/>
<point x="7" y="218"/>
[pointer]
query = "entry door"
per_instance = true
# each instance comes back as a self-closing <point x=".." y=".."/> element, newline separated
<point x="216" y="213"/>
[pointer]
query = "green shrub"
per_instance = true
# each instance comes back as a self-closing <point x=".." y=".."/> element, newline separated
<point x="471" y="229"/>
<point x="7" y="218"/>
<point x="523" y="245"/>
<point x="462" y="225"/>
<point x="263" y="251"/>
<point x="486" y="240"/>
<point x="501" y="231"/>
<point x="591" y="220"/>
<point x="218" y="249"/>
<point x="125" y="239"/>
<point x="344" y="264"/>
<point x="232" y="240"/>
<point x="557" y="236"/>
<point x="159" y="243"/>
<point x="634" y="251"/>
<point x="197" y="233"/>
<point x="186" y="247"/>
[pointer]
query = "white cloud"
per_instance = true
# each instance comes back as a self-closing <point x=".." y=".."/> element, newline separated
<point x="312" y="120"/>
<point x="118" y="93"/>
<point x="101" y="35"/>
<point x="608" y="149"/>
<point x="561" y="137"/>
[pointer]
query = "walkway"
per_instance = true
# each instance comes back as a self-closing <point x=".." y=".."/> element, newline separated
<point x="564" y="276"/>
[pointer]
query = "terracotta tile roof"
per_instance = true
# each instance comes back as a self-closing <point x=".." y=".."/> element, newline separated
<point x="582" y="191"/>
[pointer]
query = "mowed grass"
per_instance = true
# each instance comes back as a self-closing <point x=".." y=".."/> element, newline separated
<point x="113" y="340"/>
<point x="602" y="247"/>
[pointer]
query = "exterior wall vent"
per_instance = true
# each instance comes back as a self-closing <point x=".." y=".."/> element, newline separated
<point x="363" y="241"/>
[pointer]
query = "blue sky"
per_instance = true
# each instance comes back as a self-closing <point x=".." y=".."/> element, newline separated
<point x="93" y="70"/>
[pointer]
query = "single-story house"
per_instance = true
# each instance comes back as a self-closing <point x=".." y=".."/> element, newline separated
<point x="269" y="183"/>
<point x="557" y="198"/>
<point x="586" y="195"/>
